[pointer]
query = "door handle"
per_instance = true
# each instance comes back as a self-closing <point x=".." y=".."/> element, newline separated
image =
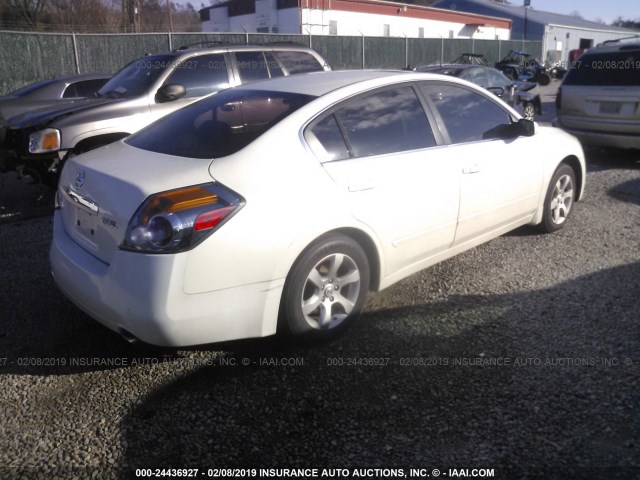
<point x="474" y="168"/>
<point x="358" y="187"/>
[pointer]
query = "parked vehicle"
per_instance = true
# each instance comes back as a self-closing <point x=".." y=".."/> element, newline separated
<point x="599" y="98"/>
<point x="277" y="206"/>
<point x="524" y="66"/>
<point x="471" y="59"/>
<point x="47" y="92"/>
<point x="50" y="92"/>
<point x="38" y="142"/>
<point x="523" y="96"/>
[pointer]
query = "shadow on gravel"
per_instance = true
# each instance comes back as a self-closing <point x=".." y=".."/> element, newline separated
<point x="20" y="201"/>
<point x="600" y="159"/>
<point x="423" y="387"/>
<point x="627" y="192"/>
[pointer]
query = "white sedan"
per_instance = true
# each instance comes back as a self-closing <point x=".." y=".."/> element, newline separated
<point x="276" y="206"/>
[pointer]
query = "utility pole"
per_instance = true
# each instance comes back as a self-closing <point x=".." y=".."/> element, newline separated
<point x="527" y="3"/>
<point x="133" y="15"/>
<point x="170" y="17"/>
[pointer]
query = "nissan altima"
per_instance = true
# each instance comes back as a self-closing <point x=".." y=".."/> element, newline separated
<point x="277" y="206"/>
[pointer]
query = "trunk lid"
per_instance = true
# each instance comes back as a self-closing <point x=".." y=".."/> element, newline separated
<point x="615" y="109"/>
<point x="102" y="189"/>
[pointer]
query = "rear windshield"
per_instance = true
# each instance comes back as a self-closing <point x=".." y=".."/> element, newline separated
<point x="218" y="125"/>
<point x="602" y="69"/>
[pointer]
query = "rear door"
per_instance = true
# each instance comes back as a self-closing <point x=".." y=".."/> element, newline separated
<point x="381" y="148"/>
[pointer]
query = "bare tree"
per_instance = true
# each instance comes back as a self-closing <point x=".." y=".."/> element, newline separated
<point x="98" y="15"/>
<point x="30" y="12"/>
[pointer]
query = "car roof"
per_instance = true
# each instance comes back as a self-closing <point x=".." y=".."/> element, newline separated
<point x="85" y="76"/>
<point x="450" y="66"/>
<point x="237" y="47"/>
<point x="623" y="44"/>
<point x="321" y="83"/>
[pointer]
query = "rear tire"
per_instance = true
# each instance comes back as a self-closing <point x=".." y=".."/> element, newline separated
<point x="544" y="79"/>
<point x="325" y="289"/>
<point x="559" y="199"/>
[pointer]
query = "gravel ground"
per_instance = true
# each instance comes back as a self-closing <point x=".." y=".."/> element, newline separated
<point x="523" y="357"/>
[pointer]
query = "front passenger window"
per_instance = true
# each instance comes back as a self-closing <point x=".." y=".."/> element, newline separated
<point x="201" y="75"/>
<point x="466" y="115"/>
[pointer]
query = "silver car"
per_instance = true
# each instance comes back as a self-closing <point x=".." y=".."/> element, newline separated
<point x="50" y="92"/>
<point x="47" y="93"/>
<point x="38" y="142"/>
<point x="599" y="99"/>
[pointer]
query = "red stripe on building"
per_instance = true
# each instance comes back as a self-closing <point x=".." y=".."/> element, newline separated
<point x="405" y="10"/>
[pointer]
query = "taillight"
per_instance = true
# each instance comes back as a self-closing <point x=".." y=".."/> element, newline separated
<point x="559" y="99"/>
<point x="178" y="220"/>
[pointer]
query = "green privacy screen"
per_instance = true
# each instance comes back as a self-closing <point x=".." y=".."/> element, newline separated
<point x="29" y="57"/>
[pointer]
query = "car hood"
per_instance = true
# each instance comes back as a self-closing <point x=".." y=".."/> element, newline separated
<point x="13" y="106"/>
<point x="525" y="86"/>
<point x="44" y="116"/>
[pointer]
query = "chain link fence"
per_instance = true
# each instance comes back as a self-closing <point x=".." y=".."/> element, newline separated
<point x="29" y="57"/>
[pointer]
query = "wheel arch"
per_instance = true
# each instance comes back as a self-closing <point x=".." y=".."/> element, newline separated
<point x="363" y="239"/>
<point x="574" y="163"/>
<point x="370" y="249"/>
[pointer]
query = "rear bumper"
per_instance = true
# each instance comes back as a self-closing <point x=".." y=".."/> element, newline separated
<point x="600" y="139"/>
<point x="143" y="295"/>
<point x="590" y="135"/>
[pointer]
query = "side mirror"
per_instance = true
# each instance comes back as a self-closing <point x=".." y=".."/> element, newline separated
<point x="521" y="128"/>
<point x="526" y="128"/>
<point x="497" y="91"/>
<point x="170" y="92"/>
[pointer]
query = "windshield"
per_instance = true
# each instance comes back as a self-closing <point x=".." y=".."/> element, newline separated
<point x="606" y="69"/>
<point x="136" y="78"/>
<point x="218" y="125"/>
<point x="31" y="88"/>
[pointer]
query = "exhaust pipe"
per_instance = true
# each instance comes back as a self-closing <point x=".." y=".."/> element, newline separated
<point x="128" y="336"/>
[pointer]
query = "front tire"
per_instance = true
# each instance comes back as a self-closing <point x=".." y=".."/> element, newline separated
<point x="325" y="289"/>
<point x="559" y="200"/>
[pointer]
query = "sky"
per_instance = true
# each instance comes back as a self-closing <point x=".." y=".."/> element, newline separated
<point x="607" y="10"/>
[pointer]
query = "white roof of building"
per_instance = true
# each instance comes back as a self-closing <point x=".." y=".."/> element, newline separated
<point x="539" y="16"/>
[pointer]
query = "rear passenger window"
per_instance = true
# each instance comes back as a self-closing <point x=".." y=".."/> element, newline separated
<point x="272" y="63"/>
<point x="467" y="115"/>
<point x="251" y="66"/>
<point x="385" y="122"/>
<point x="326" y="140"/>
<point x="84" y="88"/>
<point x="70" y="91"/>
<point x="299" y="62"/>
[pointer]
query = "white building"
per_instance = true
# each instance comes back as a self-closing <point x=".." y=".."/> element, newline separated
<point x="560" y="34"/>
<point x="372" y="18"/>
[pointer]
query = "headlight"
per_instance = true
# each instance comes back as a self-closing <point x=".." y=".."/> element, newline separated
<point x="47" y="140"/>
<point x="178" y="220"/>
